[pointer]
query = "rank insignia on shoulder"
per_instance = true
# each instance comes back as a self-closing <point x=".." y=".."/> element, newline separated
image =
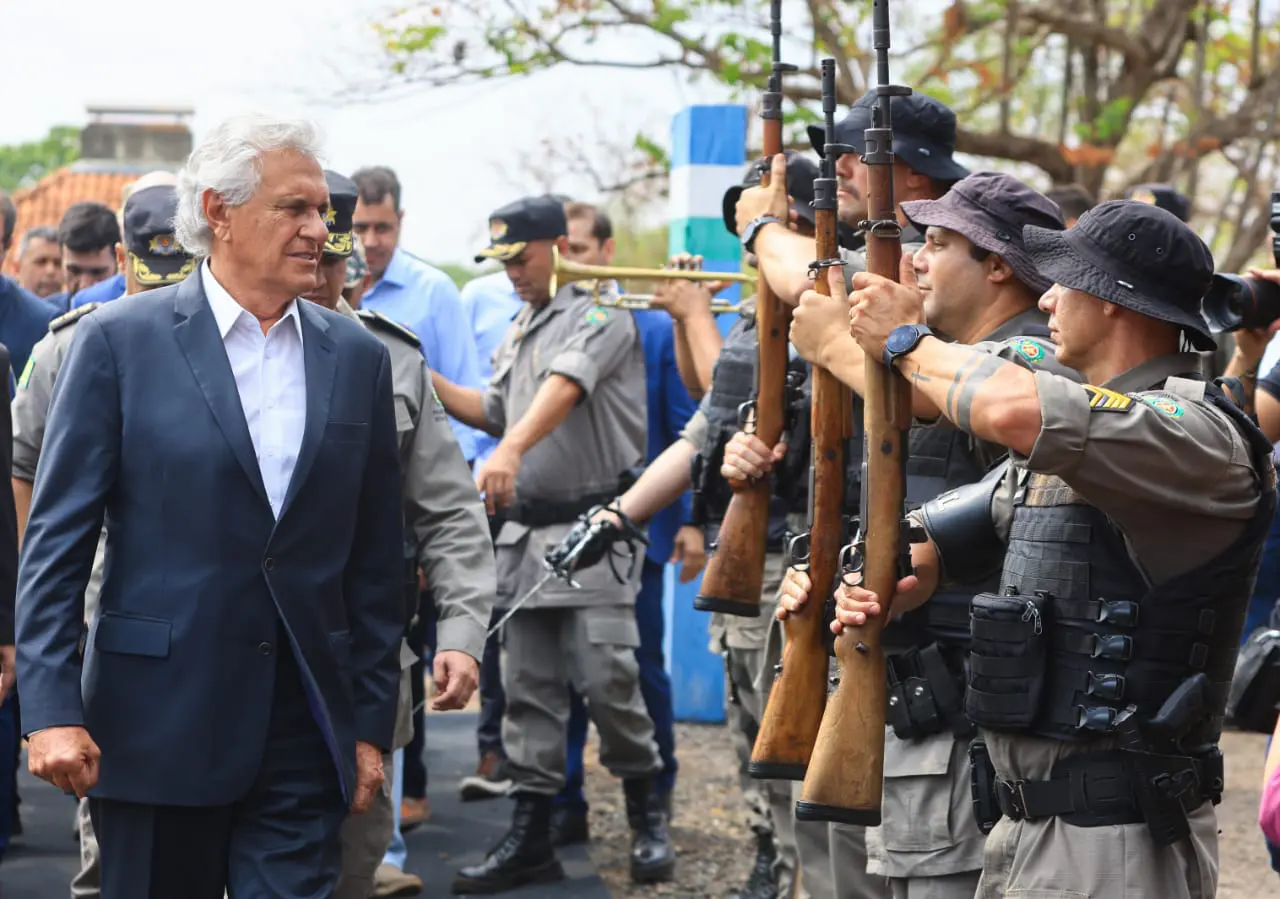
<point x="1031" y="350"/>
<point x="26" y="372"/>
<point x="1103" y="400"/>
<point x="390" y="326"/>
<point x="1164" y="405"/>
<point x="597" y="315"/>
<point x="73" y="316"/>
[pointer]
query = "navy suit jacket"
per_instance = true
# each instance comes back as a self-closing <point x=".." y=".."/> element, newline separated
<point x="176" y="682"/>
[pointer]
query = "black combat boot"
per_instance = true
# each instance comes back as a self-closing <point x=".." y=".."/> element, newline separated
<point x="569" y="826"/>
<point x="523" y="855"/>
<point x="653" y="860"/>
<point x="762" y="882"/>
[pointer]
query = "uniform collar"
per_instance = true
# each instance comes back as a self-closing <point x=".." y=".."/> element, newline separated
<point x="226" y="311"/>
<point x="1018" y="325"/>
<point x="1152" y="374"/>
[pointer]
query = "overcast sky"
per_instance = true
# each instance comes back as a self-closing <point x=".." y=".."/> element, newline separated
<point x="455" y="150"/>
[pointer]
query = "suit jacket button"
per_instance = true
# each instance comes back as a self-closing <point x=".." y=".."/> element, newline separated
<point x="268" y="563"/>
<point x="264" y="648"/>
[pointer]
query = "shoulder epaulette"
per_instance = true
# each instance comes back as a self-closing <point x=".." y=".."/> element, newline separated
<point x="382" y="323"/>
<point x="73" y="316"/>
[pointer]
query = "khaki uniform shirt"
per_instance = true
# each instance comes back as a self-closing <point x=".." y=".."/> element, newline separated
<point x="30" y="412"/>
<point x="442" y="507"/>
<point x="604" y="436"/>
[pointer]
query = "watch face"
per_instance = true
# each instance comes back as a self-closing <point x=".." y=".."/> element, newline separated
<point x="900" y="339"/>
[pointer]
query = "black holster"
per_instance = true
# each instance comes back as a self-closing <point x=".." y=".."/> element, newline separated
<point x="925" y="694"/>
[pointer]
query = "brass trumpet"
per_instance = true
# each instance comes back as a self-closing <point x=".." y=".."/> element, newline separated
<point x="565" y="271"/>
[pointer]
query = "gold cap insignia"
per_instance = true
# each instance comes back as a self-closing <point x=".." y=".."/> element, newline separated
<point x="331" y="217"/>
<point x="164" y="245"/>
<point x="497" y="229"/>
<point x="1144" y="196"/>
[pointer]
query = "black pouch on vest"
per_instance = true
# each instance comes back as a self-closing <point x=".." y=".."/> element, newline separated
<point x="1255" y="687"/>
<point x="924" y="696"/>
<point x="1007" y="659"/>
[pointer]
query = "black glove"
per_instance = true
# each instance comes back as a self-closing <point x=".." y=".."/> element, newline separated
<point x="584" y="546"/>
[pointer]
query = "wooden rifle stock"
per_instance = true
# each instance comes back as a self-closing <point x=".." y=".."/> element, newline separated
<point x="793" y="714"/>
<point x="735" y="572"/>
<point x="846" y="772"/>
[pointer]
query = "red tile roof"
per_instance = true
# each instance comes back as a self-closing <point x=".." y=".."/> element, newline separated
<point x="45" y="202"/>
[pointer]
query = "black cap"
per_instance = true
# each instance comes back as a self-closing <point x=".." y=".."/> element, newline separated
<point x="990" y="209"/>
<point x="801" y="173"/>
<point x="1135" y="255"/>
<point x="924" y="133"/>
<point x="343" y="194"/>
<point x="1161" y="195"/>
<point x="517" y="224"/>
<point x="155" y="256"/>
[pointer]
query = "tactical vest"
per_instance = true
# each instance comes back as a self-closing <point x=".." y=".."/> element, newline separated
<point x="733" y="383"/>
<point x="1077" y="635"/>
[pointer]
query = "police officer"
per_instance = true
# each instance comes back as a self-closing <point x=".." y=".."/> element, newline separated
<point x="981" y="286"/>
<point x="446" y="533"/>
<point x="1133" y="522"/>
<point x="834" y="857"/>
<point x="567" y="399"/>
<point x="154" y="259"/>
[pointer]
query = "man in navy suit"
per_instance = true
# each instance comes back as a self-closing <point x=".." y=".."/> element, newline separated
<point x="238" y="685"/>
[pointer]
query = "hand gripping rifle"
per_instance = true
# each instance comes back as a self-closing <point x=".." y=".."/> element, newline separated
<point x="846" y="772"/>
<point x="735" y="572"/>
<point x="789" y="727"/>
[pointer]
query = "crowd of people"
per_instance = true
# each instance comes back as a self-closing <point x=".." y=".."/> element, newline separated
<point x="272" y="473"/>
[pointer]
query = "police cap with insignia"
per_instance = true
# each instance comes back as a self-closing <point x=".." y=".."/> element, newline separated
<point x="342" y="209"/>
<point x="518" y="224"/>
<point x="1134" y="255"/>
<point x="155" y="256"/>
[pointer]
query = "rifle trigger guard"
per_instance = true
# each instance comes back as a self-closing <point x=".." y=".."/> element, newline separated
<point x="747" y="417"/>
<point x="798" y="552"/>
<point x="852" y="560"/>
<point x="818" y="265"/>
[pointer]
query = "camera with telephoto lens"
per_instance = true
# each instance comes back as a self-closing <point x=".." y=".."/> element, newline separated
<point x="1234" y="301"/>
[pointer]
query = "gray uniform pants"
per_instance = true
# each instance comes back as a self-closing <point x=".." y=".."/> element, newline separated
<point x="593" y="648"/>
<point x="749" y="666"/>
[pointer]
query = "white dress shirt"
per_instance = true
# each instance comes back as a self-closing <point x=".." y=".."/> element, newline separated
<point x="271" y="379"/>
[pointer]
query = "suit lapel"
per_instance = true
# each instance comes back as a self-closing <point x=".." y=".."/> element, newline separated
<point x="197" y="335"/>
<point x="317" y="350"/>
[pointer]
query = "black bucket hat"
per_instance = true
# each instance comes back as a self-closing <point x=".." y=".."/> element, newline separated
<point x="1134" y="255"/>
<point x="801" y="173"/>
<point x="924" y="133"/>
<point x="990" y="209"/>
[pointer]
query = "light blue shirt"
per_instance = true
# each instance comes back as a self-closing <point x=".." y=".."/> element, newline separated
<point x="425" y="300"/>
<point x="490" y="302"/>
<point x="271" y="379"/>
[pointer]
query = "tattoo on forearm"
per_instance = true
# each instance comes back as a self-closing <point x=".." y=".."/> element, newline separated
<point x="969" y="389"/>
<point x="917" y="376"/>
<point x="969" y="364"/>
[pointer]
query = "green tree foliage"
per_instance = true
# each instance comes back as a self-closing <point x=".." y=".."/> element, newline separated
<point x="22" y="165"/>
<point x="1104" y="93"/>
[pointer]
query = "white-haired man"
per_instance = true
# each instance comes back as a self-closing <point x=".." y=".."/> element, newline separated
<point x="240" y="677"/>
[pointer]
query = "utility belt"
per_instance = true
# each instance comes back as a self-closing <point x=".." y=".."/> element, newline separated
<point x="926" y="692"/>
<point x="541" y="513"/>
<point x="1098" y="789"/>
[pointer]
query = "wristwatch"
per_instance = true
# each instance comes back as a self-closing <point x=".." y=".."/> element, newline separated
<point x="902" y="340"/>
<point x="753" y="228"/>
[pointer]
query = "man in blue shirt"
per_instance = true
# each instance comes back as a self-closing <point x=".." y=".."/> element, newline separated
<point x="413" y="293"/>
<point x="24" y="317"/>
<point x="670" y="406"/>
<point x="90" y="237"/>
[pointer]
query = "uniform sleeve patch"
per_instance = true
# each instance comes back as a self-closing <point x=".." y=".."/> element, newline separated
<point x="1164" y="405"/>
<point x="1031" y="350"/>
<point x="26" y="372"/>
<point x="1103" y="400"/>
<point x="597" y="315"/>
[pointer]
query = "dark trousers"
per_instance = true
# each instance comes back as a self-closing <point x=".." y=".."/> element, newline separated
<point x="278" y="841"/>
<point x="655" y="686"/>
<point x="9" y="756"/>
<point x="421" y="641"/>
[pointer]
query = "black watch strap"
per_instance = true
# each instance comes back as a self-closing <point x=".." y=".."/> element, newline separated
<point x="753" y="228"/>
